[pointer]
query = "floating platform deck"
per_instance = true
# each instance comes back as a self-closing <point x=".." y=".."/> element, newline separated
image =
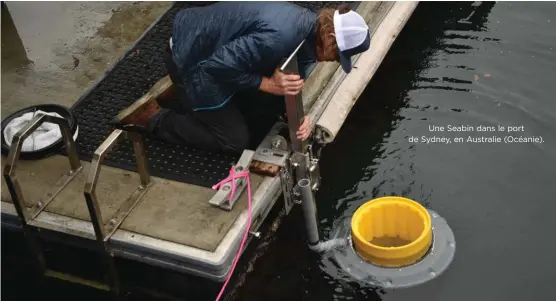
<point x="156" y="205"/>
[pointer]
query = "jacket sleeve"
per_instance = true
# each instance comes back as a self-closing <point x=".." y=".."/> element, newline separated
<point x="233" y="63"/>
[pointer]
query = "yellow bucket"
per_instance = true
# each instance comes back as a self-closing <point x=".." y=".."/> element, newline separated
<point x="391" y="231"/>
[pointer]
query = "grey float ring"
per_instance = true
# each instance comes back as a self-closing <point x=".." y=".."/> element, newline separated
<point x="436" y="261"/>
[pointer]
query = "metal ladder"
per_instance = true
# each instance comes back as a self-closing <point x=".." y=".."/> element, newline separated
<point x="29" y="212"/>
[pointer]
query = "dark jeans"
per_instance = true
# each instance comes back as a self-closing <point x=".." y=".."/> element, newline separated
<point x="241" y="123"/>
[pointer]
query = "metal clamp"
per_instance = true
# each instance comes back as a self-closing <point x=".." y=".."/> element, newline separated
<point x="222" y="197"/>
<point x="104" y="231"/>
<point x="286" y="180"/>
<point x="25" y="212"/>
<point x="273" y="150"/>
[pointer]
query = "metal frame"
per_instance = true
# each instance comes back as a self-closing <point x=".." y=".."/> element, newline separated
<point x="300" y="161"/>
<point x="28" y="214"/>
<point x="274" y="149"/>
<point x="104" y="231"/>
<point x="25" y="212"/>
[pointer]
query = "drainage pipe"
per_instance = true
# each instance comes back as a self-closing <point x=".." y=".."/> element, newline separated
<point x="310" y="215"/>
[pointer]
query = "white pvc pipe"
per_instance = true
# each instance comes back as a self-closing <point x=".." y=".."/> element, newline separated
<point x="350" y="89"/>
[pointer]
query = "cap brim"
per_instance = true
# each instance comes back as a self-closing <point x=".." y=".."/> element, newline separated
<point x="345" y="62"/>
<point x="345" y="56"/>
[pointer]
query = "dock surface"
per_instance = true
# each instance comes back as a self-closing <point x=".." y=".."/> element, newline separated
<point x="173" y="225"/>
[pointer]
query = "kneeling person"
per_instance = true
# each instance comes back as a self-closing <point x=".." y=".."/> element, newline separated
<point x="221" y="53"/>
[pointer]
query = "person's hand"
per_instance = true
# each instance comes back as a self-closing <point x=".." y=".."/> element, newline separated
<point x="286" y="84"/>
<point x="304" y="129"/>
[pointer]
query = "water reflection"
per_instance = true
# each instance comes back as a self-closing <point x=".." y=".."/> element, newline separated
<point x="360" y="155"/>
<point x="459" y="64"/>
<point x="405" y="69"/>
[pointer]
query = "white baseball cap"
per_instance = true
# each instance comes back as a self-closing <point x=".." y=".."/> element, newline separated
<point x="352" y="36"/>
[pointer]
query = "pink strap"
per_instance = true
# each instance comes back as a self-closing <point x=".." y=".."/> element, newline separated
<point x="232" y="177"/>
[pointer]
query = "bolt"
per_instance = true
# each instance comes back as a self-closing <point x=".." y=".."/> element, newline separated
<point x="70" y="172"/>
<point x="39" y="204"/>
<point x="276" y="143"/>
<point x="113" y="221"/>
<point x="141" y="187"/>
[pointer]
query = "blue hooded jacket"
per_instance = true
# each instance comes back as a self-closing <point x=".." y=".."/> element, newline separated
<point x="229" y="46"/>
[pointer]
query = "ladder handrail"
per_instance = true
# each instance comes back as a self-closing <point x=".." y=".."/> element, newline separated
<point x="27" y="214"/>
<point x="104" y="232"/>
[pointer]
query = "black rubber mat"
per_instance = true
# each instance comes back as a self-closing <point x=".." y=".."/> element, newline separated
<point x="131" y="77"/>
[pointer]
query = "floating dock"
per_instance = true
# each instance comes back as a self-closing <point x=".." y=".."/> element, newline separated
<point x="152" y="202"/>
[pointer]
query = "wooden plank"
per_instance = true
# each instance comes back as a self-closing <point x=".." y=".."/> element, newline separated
<point x="162" y="89"/>
<point x="265" y="169"/>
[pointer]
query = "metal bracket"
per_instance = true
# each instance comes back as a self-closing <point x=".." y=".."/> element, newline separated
<point x="29" y="212"/>
<point x="222" y="197"/>
<point x="300" y="165"/>
<point x="104" y="231"/>
<point x="273" y="150"/>
<point x="286" y="181"/>
<point x="304" y="161"/>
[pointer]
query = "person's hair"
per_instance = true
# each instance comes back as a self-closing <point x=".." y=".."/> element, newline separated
<point x="325" y="23"/>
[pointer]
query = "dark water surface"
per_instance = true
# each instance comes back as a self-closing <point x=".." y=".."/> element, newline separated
<point x="475" y="64"/>
<point x="485" y="64"/>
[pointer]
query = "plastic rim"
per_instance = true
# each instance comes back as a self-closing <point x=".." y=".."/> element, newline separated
<point x="52" y="149"/>
<point x="393" y="217"/>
